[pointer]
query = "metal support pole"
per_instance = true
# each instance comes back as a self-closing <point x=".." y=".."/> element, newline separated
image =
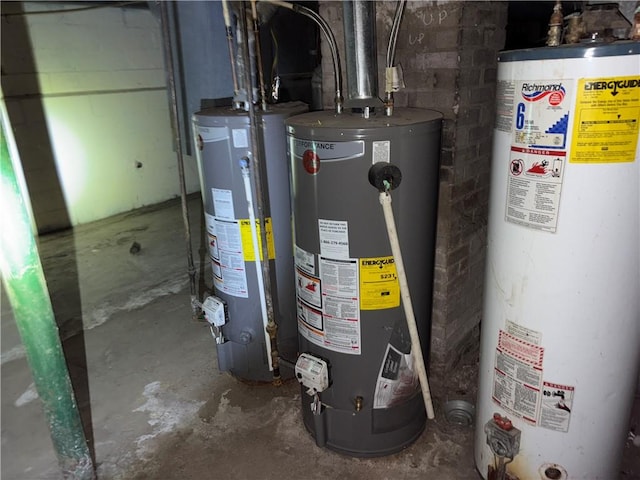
<point x="262" y="201"/>
<point x="26" y="288"/>
<point x="175" y="126"/>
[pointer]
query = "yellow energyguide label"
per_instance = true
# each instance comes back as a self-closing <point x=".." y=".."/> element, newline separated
<point x="247" y="239"/>
<point x="379" y="287"/>
<point x="605" y="125"/>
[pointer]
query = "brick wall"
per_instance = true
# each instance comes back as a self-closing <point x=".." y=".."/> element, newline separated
<point x="448" y="54"/>
<point x="88" y="105"/>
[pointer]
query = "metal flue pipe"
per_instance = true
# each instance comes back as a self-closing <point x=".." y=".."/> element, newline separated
<point x="360" y="50"/>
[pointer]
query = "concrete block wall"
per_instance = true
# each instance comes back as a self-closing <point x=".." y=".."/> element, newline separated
<point x="448" y="54"/>
<point x="87" y="99"/>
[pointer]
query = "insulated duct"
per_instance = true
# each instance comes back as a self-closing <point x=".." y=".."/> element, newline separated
<point x="360" y="50"/>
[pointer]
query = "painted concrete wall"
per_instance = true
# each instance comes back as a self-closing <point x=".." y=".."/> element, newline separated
<point x="448" y="52"/>
<point x="86" y="94"/>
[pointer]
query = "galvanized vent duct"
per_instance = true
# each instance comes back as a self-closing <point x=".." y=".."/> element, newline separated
<point x="360" y="49"/>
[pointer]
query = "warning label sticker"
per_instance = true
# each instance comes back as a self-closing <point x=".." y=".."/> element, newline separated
<point x="533" y="189"/>
<point x="312" y="319"/>
<point x="225" y="248"/>
<point x="305" y="261"/>
<point x="247" y="239"/>
<point x="605" y="128"/>
<point x="340" y="305"/>
<point x="328" y="306"/>
<point x="518" y="376"/>
<point x="397" y="380"/>
<point x="555" y="410"/>
<point x="521" y="350"/>
<point x="539" y="121"/>
<point x="379" y="287"/>
<point x="308" y="288"/>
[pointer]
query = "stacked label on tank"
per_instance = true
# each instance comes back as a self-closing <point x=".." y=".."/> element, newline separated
<point x="540" y="120"/>
<point x="328" y="304"/>
<point x="227" y="258"/>
<point x="517" y="376"/>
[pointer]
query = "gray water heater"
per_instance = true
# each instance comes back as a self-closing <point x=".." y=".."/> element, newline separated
<point x="223" y="139"/>
<point x="351" y="325"/>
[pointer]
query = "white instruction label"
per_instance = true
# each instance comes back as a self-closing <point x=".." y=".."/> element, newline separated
<point x="334" y="238"/>
<point x="381" y="152"/>
<point x="505" y="91"/>
<point x="397" y="380"/>
<point x="534" y="187"/>
<point x="518" y="376"/>
<point x="305" y="261"/>
<point x="225" y="248"/>
<point x="240" y="139"/>
<point x="523" y="333"/>
<point x="223" y="203"/>
<point x="540" y="122"/>
<point x="329" y="306"/>
<point x="308" y="288"/>
<point x="557" y="403"/>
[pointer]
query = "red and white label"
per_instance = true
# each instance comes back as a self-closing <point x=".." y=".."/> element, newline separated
<point x="523" y="351"/>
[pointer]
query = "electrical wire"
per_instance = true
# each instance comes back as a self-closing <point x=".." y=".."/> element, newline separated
<point x="393" y="37"/>
<point x="72" y="10"/>
<point x="274" y="64"/>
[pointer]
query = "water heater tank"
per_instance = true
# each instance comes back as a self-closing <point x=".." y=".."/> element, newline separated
<point x="350" y="320"/>
<point x="223" y="138"/>
<point x="560" y="342"/>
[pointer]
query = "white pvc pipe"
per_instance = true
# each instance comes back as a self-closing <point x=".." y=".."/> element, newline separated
<point x="416" y="349"/>
<point x="246" y="177"/>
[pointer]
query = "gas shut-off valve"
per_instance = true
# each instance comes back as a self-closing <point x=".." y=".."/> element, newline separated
<point x="504" y="440"/>
<point x="313" y="373"/>
<point x="217" y="314"/>
<point x="502" y="436"/>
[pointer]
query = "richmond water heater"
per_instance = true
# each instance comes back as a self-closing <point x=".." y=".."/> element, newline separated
<point x="561" y="325"/>
<point x="223" y="140"/>
<point x="364" y="398"/>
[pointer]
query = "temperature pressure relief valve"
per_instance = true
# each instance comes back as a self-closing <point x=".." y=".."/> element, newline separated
<point x="313" y="373"/>
<point x="384" y="176"/>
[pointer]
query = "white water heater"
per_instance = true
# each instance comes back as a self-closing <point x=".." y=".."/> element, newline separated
<point x="560" y="344"/>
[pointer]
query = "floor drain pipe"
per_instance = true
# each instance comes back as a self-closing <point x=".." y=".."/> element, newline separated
<point x="385" y="177"/>
<point x="246" y="177"/>
<point x="258" y="170"/>
<point x="26" y="287"/>
<point x="177" y="137"/>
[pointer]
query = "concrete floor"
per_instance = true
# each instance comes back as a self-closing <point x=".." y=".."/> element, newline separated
<point x="147" y="383"/>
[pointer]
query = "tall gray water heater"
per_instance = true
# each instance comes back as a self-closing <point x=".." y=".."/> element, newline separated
<point x="223" y="139"/>
<point x="351" y="325"/>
